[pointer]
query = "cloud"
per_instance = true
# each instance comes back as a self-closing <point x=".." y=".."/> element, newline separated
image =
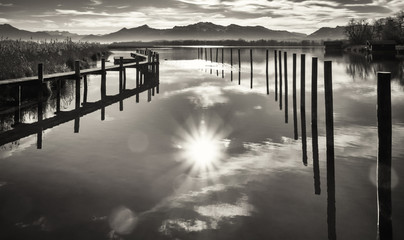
<point x="6" y="4"/>
<point x="95" y="2"/>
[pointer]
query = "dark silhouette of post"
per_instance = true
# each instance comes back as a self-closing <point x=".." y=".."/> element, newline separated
<point x="206" y="54"/>
<point x="39" y="106"/>
<point x="329" y="122"/>
<point x="239" y="67"/>
<point x="217" y="61"/>
<point x="314" y="129"/>
<point x="211" y="60"/>
<point x="77" y="76"/>
<point x="296" y="135"/>
<point x="103" y="87"/>
<point x="384" y="155"/>
<point x="280" y="80"/>
<point x="303" y="106"/>
<point x="158" y="73"/>
<point x="266" y="71"/>
<point x="285" y="60"/>
<point x="231" y="64"/>
<point x="138" y="79"/>
<point x="58" y="94"/>
<point x="222" y="62"/>
<point x="85" y="91"/>
<point x="276" y="75"/>
<point x="251" y="69"/>
<point x="120" y="74"/>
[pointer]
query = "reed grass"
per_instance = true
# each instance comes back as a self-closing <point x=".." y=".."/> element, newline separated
<point x="20" y="58"/>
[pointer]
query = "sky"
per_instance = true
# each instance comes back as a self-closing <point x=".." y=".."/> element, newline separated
<point x="105" y="16"/>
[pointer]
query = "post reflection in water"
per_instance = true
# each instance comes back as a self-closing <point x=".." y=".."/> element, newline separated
<point x="276" y="75"/>
<point x="384" y="156"/>
<point x="314" y="129"/>
<point x="303" y="106"/>
<point x="329" y="118"/>
<point x="280" y="80"/>
<point x="285" y="59"/>
<point x="296" y="135"/>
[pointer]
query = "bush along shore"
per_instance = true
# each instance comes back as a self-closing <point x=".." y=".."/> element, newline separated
<point x="20" y="58"/>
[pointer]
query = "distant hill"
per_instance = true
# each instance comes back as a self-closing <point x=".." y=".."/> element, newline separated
<point x="327" y="33"/>
<point x="10" y="32"/>
<point x="198" y="31"/>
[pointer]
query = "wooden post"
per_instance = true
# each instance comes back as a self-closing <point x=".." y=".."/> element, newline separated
<point x="217" y="61"/>
<point x="251" y="68"/>
<point x="384" y="155"/>
<point x="239" y="67"/>
<point x="206" y="54"/>
<point x="77" y="76"/>
<point x="58" y="94"/>
<point x="85" y="92"/>
<point x="103" y="87"/>
<point x="198" y="54"/>
<point x="276" y="75"/>
<point x="121" y="72"/>
<point x="39" y="107"/>
<point x="222" y="62"/>
<point x="314" y="129"/>
<point x="158" y="73"/>
<point x="211" y="60"/>
<point x="231" y="64"/>
<point x="40" y="81"/>
<point x="303" y="107"/>
<point x="266" y="71"/>
<point x="303" y="80"/>
<point x="137" y="81"/>
<point x="296" y="135"/>
<point x="280" y="80"/>
<point x="329" y="119"/>
<point x="285" y="65"/>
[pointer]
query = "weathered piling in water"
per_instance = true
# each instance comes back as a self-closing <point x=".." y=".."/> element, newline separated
<point x="121" y="73"/>
<point x="329" y="119"/>
<point x="77" y="80"/>
<point x="40" y="106"/>
<point x="211" y="60"/>
<point x="77" y="76"/>
<point x="222" y="62"/>
<point x="303" y="106"/>
<point x="231" y="64"/>
<point x="296" y="135"/>
<point x="239" y="67"/>
<point x="276" y="75"/>
<point x="158" y="73"/>
<point x="251" y="68"/>
<point x="314" y="129"/>
<point x="266" y="71"/>
<point x="217" y="55"/>
<point x="58" y="94"/>
<point x="384" y="155"/>
<point x="285" y="59"/>
<point x="138" y="80"/>
<point x="85" y="91"/>
<point x="103" y="87"/>
<point x="280" y="80"/>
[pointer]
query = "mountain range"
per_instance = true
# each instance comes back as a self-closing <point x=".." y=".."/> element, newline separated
<point x="198" y="31"/>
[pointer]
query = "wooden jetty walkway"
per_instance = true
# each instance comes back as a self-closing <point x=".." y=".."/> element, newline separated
<point x="147" y="79"/>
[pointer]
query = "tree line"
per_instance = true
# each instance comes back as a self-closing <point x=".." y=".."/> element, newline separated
<point x="359" y="31"/>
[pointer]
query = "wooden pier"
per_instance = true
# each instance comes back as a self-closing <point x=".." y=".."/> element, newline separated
<point x="147" y="79"/>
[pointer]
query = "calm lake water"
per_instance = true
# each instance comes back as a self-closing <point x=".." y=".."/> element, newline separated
<point x="207" y="157"/>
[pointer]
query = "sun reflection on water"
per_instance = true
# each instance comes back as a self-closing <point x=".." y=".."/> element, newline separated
<point x="202" y="146"/>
